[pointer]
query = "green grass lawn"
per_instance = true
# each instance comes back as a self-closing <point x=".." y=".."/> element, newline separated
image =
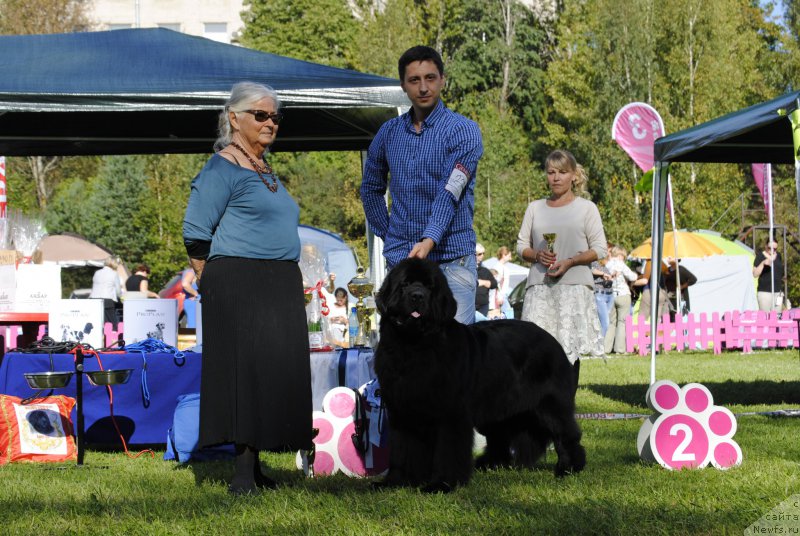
<point x="615" y="494"/>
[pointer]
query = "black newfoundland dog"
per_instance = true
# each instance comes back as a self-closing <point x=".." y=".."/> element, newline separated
<point x="509" y="379"/>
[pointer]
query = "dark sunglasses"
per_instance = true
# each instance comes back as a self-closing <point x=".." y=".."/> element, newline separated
<point x="262" y="117"/>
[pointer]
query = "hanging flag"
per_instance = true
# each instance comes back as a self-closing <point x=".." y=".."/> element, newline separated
<point x="3" y="200"/>
<point x="636" y="127"/>
<point x="760" y="173"/>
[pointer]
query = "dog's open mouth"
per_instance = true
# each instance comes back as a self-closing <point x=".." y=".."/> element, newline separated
<point x="415" y="314"/>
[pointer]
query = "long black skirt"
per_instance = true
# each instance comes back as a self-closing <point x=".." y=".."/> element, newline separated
<point x="255" y="386"/>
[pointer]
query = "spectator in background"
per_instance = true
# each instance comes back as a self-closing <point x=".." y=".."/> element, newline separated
<point x="106" y="286"/>
<point x="139" y="282"/>
<point x="486" y="282"/>
<point x="768" y="268"/>
<point x="675" y="269"/>
<point x="643" y="282"/>
<point x="621" y="274"/>
<point x="603" y="293"/>
<point x="503" y="282"/>
<point x="338" y="317"/>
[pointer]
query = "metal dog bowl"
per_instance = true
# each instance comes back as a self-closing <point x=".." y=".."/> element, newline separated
<point x="48" y="380"/>
<point x="109" y="377"/>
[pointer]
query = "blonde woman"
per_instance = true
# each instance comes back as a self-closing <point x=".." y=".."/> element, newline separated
<point x="560" y="287"/>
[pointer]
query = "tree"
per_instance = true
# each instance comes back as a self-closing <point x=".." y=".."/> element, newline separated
<point x="672" y="56"/>
<point x="321" y="31"/>
<point x="42" y="17"/>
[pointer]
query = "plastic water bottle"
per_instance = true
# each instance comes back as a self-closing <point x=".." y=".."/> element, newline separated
<point x="352" y="328"/>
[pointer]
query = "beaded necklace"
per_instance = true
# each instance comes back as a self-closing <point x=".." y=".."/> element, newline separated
<point x="259" y="169"/>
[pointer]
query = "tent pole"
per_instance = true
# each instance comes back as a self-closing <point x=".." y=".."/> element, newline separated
<point x="671" y="200"/>
<point x="657" y="234"/>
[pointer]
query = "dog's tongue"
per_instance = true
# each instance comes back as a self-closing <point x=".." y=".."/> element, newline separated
<point x="415" y="314"/>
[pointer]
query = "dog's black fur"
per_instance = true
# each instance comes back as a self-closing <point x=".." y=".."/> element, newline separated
<point x="509" y="379"/>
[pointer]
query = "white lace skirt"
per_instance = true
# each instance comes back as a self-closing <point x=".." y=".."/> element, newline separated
<point x="568" y="313"/>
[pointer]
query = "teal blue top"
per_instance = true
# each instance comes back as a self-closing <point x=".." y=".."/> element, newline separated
<point x="230" y="207"/>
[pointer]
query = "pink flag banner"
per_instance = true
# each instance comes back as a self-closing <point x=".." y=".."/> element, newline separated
<point x="760" y="174"/>
<point x="3" y="199"/>
<point x="636" y="127"/>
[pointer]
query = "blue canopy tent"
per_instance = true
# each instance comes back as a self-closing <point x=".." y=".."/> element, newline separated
<point x="759" y="133"/>
<point x="153" y="91"/>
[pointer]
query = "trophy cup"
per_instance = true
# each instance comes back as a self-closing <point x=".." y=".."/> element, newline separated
<point x="361" y="287"/>
<point x="550" y="238"/>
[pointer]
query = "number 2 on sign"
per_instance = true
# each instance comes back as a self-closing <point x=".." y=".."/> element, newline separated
<point x="680" y="454"/>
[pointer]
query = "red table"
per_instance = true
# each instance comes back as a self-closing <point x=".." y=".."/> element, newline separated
<point x="30" y="326"/>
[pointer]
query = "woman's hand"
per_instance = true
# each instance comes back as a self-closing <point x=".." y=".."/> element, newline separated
<point x="559" y="268"/>
<point x="547" y="258"/>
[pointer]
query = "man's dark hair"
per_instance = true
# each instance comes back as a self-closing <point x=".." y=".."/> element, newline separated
<point x="419" y="53"/>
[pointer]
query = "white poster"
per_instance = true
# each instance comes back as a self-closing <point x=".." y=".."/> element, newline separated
<point x="151" y="319"/>
<point x="38" y="286"/>
<point x="78" y="321"/>
<point x="8" y="287"/>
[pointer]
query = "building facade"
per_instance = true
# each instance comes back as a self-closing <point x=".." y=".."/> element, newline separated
<point x="219" y="20"/>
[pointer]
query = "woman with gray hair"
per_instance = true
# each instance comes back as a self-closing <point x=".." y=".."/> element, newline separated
<point x="240" y="231"/>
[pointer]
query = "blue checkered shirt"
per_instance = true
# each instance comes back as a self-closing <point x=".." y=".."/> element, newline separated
<point x="432" y="184"/>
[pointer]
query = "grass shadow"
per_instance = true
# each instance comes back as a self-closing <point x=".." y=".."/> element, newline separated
<point x="725" y="393"/>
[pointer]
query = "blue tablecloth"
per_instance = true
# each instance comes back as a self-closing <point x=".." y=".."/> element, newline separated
<point x="165" y="381"/>
<point x="139" y="423"/>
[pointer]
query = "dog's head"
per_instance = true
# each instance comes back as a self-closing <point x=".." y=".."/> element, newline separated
<point x="415" y="295"/>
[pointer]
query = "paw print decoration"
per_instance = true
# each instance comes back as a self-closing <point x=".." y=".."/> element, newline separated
<point x="687" y="429"/>
<point x="334" y="445"/>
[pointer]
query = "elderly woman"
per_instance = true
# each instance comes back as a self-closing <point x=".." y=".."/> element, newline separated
<point x="560" y="287"/>
<point x="240" y="232"/>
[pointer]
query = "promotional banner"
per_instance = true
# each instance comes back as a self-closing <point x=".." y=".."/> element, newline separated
<point x="151" y="319"/>
<point x="762" y="174"/>
<point x="636" y="127"/>
<point x="78" y="321"/>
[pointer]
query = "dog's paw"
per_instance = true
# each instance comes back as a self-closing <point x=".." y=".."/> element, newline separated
<point x="690" y="430"/>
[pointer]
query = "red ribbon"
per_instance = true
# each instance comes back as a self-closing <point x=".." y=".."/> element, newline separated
<point x="324" y="309"/>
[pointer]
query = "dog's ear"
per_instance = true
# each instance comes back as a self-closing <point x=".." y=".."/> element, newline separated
<point x="386" y="292"/>
<point x="443" y="302"/>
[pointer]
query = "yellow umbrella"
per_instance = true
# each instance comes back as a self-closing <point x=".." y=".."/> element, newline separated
<point x="689" y="245"/>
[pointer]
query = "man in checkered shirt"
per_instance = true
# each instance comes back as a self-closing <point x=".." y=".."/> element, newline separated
<point x="431" y="155"/>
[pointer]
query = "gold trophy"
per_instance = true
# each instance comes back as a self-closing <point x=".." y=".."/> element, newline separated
<point x="361" y="287"/>
<point x="550" y="238"/>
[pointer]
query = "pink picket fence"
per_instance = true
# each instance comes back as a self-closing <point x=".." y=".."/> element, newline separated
<point x="10" y="334"/>
<point x="744" y="330"/>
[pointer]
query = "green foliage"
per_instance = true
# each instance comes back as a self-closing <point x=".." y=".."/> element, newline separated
<point x="321" y="31"/>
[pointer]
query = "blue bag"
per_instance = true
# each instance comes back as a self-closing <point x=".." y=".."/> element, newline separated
<point x="182" y="438"/>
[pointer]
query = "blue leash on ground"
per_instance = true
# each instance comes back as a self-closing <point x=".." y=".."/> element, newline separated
<point x="150" y="346"/>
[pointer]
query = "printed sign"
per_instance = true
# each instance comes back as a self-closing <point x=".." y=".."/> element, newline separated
<point x="78" y="321"/>
<point x="38" y="286"/>
<point x="8" y="287"/>
<point x="151" y="319"/>
<point x="687" y="430"/>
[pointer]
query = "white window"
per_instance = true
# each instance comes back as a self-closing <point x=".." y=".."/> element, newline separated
<point x="118" y="26"/>
<point x="217" y="31"/>
<point x="174" y="26"/>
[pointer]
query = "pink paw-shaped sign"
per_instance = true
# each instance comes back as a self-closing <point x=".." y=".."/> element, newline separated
<point x="335" y="450"/>
<point x="687" y="429"/>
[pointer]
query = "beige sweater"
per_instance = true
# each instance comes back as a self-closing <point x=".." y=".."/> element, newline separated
<point x="578" y="228"/>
